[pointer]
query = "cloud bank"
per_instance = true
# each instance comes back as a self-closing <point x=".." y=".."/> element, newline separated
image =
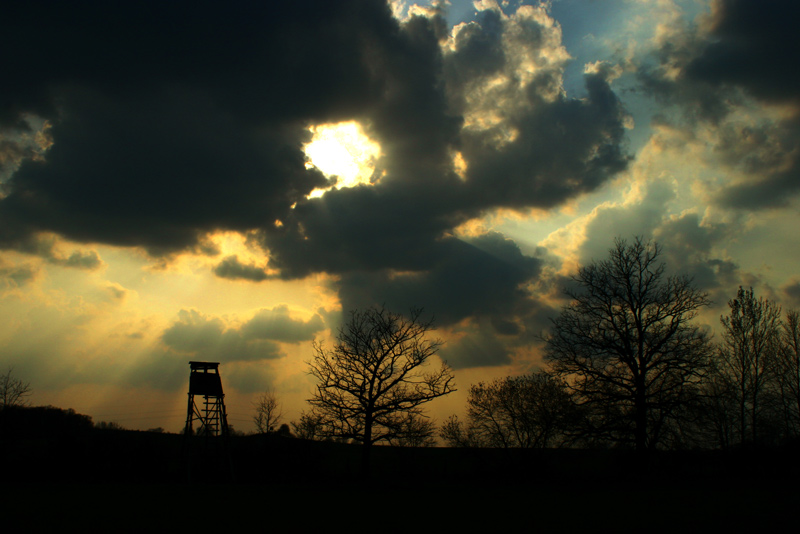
<point x="167" y="124"/>
<point x="155" y="128"/>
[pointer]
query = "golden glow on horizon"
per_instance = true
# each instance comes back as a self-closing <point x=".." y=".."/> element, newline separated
<point x="342" y="150"/>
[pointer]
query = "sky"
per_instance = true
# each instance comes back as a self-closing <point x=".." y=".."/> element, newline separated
<point x="196" y="181"/>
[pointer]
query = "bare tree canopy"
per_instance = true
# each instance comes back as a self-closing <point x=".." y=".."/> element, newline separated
<point x="788" y="372"/>
<point x="268" y="412"/>
<point x="308" y="426"/>
<point x="747" y="357"/>
<point x="625" y="344"/>
<point x="13" y="391"/>
<point x="529" y="411"/>
<point x="372" y="384"/>
<point x="416" y="431"/>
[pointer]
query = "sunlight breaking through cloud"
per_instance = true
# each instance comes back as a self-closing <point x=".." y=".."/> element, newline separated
<point x="344" y="151"/>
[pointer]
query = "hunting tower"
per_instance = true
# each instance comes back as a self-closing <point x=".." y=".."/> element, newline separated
<point x="204" y="381"/>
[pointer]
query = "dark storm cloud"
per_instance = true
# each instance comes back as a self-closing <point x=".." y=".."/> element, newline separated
<point x="254" y="59"/>
<point x="411" y="120"/>
<point x="768" y="155"/>
<point x="773" y="191"/>
<point x="370" y="234"/>
<point x="362" y="228"/>
<point x="750" y="49"/>
<point x="481" y="276"/>
<point x="699" y="101"/>
<point x="12" y="152"/>
<point x="176" y="119"/>
<point x="754" y="45"/>
<point x="562" y="149"/>
<point x="231" y="268"/>
<point x="173" y="121"/>
<point x="156" y="172"/>
<point x="688" y="250"/>
<point x="479" y="53"/>
<point x="476" y="349"/>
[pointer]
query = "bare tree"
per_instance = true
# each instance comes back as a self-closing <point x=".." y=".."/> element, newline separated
<point x="714" y="411"/>
<point x="372" y="380"/>
<point x="268" y="412"/>
<point x="747" y="355"/>
<point x="456" y="434"/>
<point x="13" y="391"/>
<point x="415" y="431"/>
<point x="529" y="411"/>
<point x="625" y="344"/>
<point x="308" y="426"/>
<point x="787" y="370"/>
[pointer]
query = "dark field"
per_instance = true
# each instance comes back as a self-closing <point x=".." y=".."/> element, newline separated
<point x="131" y="486"/>
<point x="116" y="480"/>
<point x="430" y="506"/>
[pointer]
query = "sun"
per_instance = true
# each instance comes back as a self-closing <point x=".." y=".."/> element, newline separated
<point x="343" y="150"/>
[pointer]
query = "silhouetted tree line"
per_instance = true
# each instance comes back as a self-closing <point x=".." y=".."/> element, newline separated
<point x="626" y="367"/>
<point x="42" y="422"/>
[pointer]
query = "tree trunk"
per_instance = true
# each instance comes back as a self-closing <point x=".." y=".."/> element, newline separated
<point x="641" y="416"/>
<point x="641" y="425"/>
<point x="366" y="450"/>
<point x="753" y="428"/>
<point x="743" y="414"/>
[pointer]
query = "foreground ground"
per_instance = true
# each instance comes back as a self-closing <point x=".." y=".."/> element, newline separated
<point x="100" y="480"/>
<point x="429" y="507"/>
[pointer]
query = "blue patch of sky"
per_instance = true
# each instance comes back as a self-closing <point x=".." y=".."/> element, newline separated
<point x="592" y="30"/>
<point x="460" y="11"/>
<point x="597" y="30"/>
